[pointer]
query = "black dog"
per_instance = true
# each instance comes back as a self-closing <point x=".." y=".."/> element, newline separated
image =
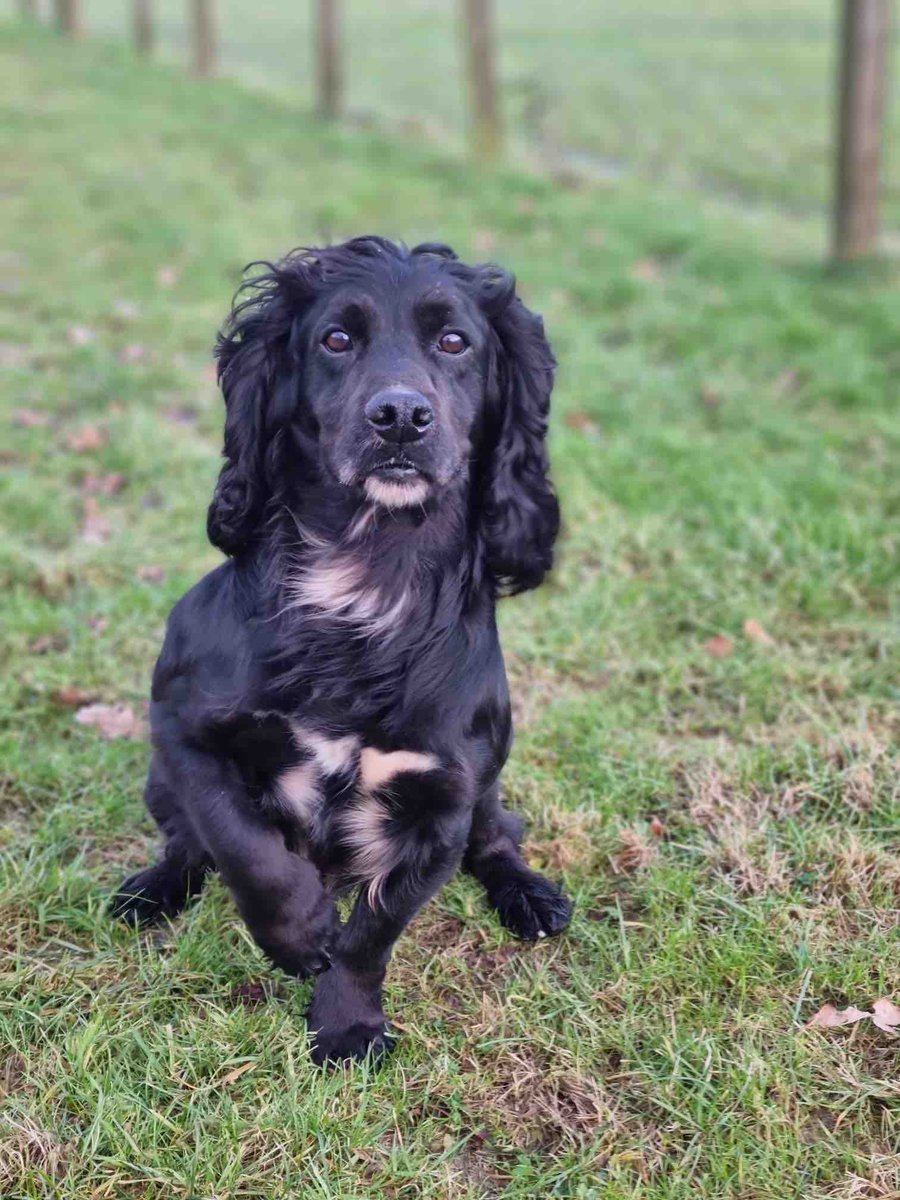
<point x="330" y="707"/>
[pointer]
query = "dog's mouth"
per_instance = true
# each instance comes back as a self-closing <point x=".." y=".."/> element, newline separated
<point x="397" y="469"/>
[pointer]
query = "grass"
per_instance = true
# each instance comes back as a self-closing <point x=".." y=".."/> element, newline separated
<point x="725" y="446"/>
<point x="734" y="98"/>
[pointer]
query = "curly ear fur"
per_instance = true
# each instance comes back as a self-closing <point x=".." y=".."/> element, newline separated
<point x="257" y="365"/>
<point x="521" y="514"/>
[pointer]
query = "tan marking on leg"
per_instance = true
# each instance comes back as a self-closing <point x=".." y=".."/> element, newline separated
<point x="331" y="754"/>
<point x="374" y="853"/>
<point x="376" y="768"/>
<point x="298" y="791"/>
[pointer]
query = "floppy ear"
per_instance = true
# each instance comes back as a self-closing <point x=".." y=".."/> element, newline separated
<point x="258" y="373"/>
<point x="521" y="514"/>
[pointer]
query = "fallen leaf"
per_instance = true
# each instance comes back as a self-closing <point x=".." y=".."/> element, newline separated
<point x="181" y="416"/>
<point x="151" y="574"/>
<point x="756" y="633"/>
<point x="656" y="827"/>
<point x="98" y="624"/>
<point x="634" y="854"/>
<point x="89" y="437"/>
<point x="80" y="335"/>
<point x="582" y="422"/>
<point x="886" y="1015"/>
<point x="131" y="353"/>
<point x="47" y="642"/>
<point x="250" y="994"/>
<point x="112" y="720"/>
<point x="719" y="646"/>
<point x="828" y="1017"/>
<point x="30" y="418"/>
<point x="235" y="1074"/>
<point x="95" y="528"/>
<point x="102" y="485"/>
<point x="167" y="276"/>
<point x="646" y="270"/>
<point x="71" y="696"/>
<point x="787" y="381"/>
<point x="709" y="397"/>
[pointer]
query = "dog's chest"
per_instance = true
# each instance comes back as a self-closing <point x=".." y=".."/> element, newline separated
<point x="338" y="796"/>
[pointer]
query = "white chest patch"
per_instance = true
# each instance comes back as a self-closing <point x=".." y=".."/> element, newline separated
<point x="336" y="585"/>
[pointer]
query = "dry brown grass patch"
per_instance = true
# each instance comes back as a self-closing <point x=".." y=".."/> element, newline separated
<point x="25" y="1149"/>
<point x="737" y="825"/>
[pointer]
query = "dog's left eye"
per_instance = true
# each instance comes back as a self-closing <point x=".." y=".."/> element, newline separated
<point x="338" y="341"/>
<point x="452" y="343"/>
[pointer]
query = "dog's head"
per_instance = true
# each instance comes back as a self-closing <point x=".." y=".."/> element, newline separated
<point x="394" y="375"/>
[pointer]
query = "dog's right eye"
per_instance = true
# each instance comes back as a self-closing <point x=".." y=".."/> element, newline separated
<point x="338" y="341"/>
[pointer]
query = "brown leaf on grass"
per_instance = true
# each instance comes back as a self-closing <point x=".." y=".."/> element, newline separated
<point x="94" y="484"/>
<point x="80" y="335"/>
<point x="112" y="720"/>
<point x="71" y="696"/>
<point x="167" y="276"/>
<point x="582" y="423"/>
<point x="657" y="828"/>
<point x="250" y="994"/>
<point x="132" y="353"/>
<point x="30" y="418"/>
<point x="646" y="270"/>
<point x="95" y="528"/>
<point x="181" y="416"/>
<point x="719" y="646"/>
<point x="829" y="1017"/>
<point x="886" y="1015"/>
<point x="710" y="397"/>
<point x="89" y="437"/>
<point x="97" y="624"/>
<point x="151" y="574"/>
<point x="235" y="1074"/>
<point x="634" y="854"/>
<point x="47" y="642"/>
<point x="755" y="632"/>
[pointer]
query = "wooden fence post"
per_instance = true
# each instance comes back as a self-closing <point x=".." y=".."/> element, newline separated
<point x="865" y="34"/>
<point x="204" y="38"/>
<point x="478" y="32"/>
<point x="143" y="26"/>
<point x="68" y="17"/>
<point x="329" y="83"/>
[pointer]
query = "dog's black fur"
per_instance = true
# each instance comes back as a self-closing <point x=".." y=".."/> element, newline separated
<point x="330" y="707"/>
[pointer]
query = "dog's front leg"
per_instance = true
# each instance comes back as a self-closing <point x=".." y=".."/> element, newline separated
<point x="278" y="893"/>
<point x="346" y="1018"/>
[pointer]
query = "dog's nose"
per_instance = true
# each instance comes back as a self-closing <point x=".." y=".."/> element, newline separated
<point x="399" y="416"/>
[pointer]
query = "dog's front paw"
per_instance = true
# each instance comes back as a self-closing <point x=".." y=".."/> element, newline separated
<point x="351" y="1043"/>
<point x="146" y="897"/>
<point x="345" y="1019"/>
<point x="531" y="907"/>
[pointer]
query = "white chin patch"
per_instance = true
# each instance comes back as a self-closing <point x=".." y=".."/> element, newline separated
<point x="393" y="494"/>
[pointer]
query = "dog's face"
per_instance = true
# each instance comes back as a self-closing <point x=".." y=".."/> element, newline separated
<point x="395" y="377"/>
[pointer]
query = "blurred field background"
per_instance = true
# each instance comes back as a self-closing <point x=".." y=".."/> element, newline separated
<point x="730" y="96"/>
<point x="706" y="692"/>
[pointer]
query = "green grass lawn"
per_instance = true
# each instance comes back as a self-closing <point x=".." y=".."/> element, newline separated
<point x="733" y="96"/>
<point x="722" y="805"/>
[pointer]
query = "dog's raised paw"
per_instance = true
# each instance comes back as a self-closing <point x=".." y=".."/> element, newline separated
<point x="531" y="907"/>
